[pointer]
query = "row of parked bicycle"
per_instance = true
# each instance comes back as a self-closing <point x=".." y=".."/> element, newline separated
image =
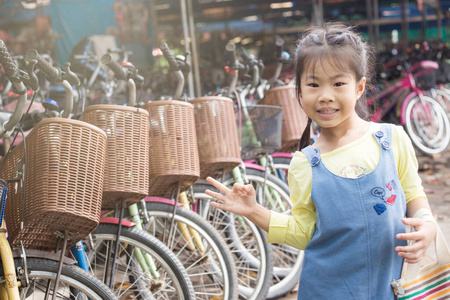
<point x="70" y="180"/>
<point x="116" y="192"/>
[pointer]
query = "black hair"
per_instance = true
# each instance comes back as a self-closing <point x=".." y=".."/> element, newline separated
<point x="344" y="48"/>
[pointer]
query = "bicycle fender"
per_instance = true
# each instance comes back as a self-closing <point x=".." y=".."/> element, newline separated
<point x="108" y="220"/>
<point x="162" y="200"/>
<point x="43" y="254"/>
<point x="249" y="165"/>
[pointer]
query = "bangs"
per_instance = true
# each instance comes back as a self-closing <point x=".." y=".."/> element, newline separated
<point x="337" y="58"/>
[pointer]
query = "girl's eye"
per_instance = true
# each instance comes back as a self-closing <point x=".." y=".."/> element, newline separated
<point x="313" y="85"/>
<point x="339" y="84"/>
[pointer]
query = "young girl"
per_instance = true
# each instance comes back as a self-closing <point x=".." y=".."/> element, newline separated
<point x="351" y="189"/>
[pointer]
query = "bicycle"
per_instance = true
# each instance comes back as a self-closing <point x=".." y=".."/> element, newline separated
<point x="141" y="264"/>
<point x="422" y="116"/>
<point x="36" y="270"/>
<point x="173" y="170"/>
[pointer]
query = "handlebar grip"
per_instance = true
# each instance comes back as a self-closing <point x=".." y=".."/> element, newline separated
<point x="53" y="74"/>
<point x="231" y="51"/>
<point x="169" y="57"/>
<point x="279" y="43"/>
<point x="118" y="70"/>
<point x="6" y="61"/>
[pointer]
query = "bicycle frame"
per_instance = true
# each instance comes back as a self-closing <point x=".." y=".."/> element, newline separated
<point x="406" y="84"/>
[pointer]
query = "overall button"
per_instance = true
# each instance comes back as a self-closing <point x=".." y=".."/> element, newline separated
<point x="314" y="161"/>
<point x="379" y="134"/>
<point x="385" y="145"/>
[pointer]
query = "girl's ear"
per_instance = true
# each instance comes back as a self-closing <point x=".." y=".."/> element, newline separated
<point x="361" y="87"/>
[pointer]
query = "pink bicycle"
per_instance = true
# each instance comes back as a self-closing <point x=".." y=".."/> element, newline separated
<point x="424" y="119"/>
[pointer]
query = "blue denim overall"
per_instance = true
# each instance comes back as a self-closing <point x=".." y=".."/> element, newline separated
<point x="351" y="255"/>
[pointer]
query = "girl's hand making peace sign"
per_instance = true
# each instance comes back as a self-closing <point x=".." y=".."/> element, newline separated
<point x="241" y="200"/>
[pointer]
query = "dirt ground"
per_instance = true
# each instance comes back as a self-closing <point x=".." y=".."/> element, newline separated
<point x="435" y="174"/>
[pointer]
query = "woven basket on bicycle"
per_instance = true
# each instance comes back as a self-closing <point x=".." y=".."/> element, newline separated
<point x="217" y="137"/>
<point x="65" y="162"/>
<point x="294" y="118"/>
<point x="127" y="156"/>
<point x="173" y="147"/>
<point x="260" y="130"/>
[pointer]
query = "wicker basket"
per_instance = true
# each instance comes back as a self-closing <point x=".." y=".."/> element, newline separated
<point x="127" y="156"/>
<point x="217" y="138"/>
<point x="294" y="118"/>
<point x="173" y="147"/>
<point x="64" y="180"/>
<point x="260" y="130"/>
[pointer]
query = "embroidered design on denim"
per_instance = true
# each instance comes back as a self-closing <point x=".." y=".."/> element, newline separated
<point x="391" y="199"/>
<point x="380" y="192"/>
<point x="391" y="185"/>
<point x="380" y="208"/>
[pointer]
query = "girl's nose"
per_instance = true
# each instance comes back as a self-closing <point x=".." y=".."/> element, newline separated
<point x="325" y="98"/>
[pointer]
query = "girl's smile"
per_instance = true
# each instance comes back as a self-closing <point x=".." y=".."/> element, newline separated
<point x="329" y="93"/>
<point x="327" y="112"/>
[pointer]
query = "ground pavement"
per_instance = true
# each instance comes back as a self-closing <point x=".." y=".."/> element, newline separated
<point x="435" y="174"/>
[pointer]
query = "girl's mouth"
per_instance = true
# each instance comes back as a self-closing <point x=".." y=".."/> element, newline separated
<point x="327" y="111"/>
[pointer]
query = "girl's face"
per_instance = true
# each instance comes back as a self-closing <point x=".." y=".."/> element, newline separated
<point x="329" y="95"/>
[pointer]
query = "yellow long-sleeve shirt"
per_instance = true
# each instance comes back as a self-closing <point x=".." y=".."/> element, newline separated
<point x="353" y="160"/>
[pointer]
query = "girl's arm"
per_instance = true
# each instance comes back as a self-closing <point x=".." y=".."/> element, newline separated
<point x="424" y="231"/>
<point x="241" y="200"/>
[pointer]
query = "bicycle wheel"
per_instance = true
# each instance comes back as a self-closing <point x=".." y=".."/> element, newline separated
<point x="273" y="193"/>
<point x="199" y="247"/>
<point x="252" y="254"/>
<point x="427" y="124"/>
<point x="443" y="98"/>
<point x="167" y="279"/>
<point x="74" y="283"/>
<point x="281" y="167"/>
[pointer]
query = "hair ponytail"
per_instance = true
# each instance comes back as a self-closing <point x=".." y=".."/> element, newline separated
<point x="306" y="135"/>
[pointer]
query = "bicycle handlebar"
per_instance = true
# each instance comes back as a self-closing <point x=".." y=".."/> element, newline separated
<point x="174" y="66"/>
<point x="11" y="70"/>
<point x="119" y="71"/>
<point x="279" y="44"/>
<point x="53" y="74"/>
<point x="169" y="57"/>
<point x="234" y="65"/>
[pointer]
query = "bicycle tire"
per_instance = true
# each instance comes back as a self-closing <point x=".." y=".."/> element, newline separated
<point x="73" y="278"/>
<point x="254" y="274"/>
<point x="173" y="283"/>
<point x="287" y="260"/>
<point x="430" y="136"/>
<point x="213" y="272"/>
<point x="442" y="96"/>
<point x="281" y="165"/>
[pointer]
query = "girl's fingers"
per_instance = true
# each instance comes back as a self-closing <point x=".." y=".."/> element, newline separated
<point x="413" y="221"/>
<point x="218" y="185"/>
<point x="413" y="236"/>
<point x="237" y="187"/>
<point x="215" y="195"/>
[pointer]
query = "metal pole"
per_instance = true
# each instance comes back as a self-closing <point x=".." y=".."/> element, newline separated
<point x="369" y="16"/>
<point x="186" y="43"/>
<point x="154" y="20"/>
<point x="195" y="61"/>
<point x="376" y="18"/>
<point x="404" y="6"/>
<point x="317" y="15"/>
